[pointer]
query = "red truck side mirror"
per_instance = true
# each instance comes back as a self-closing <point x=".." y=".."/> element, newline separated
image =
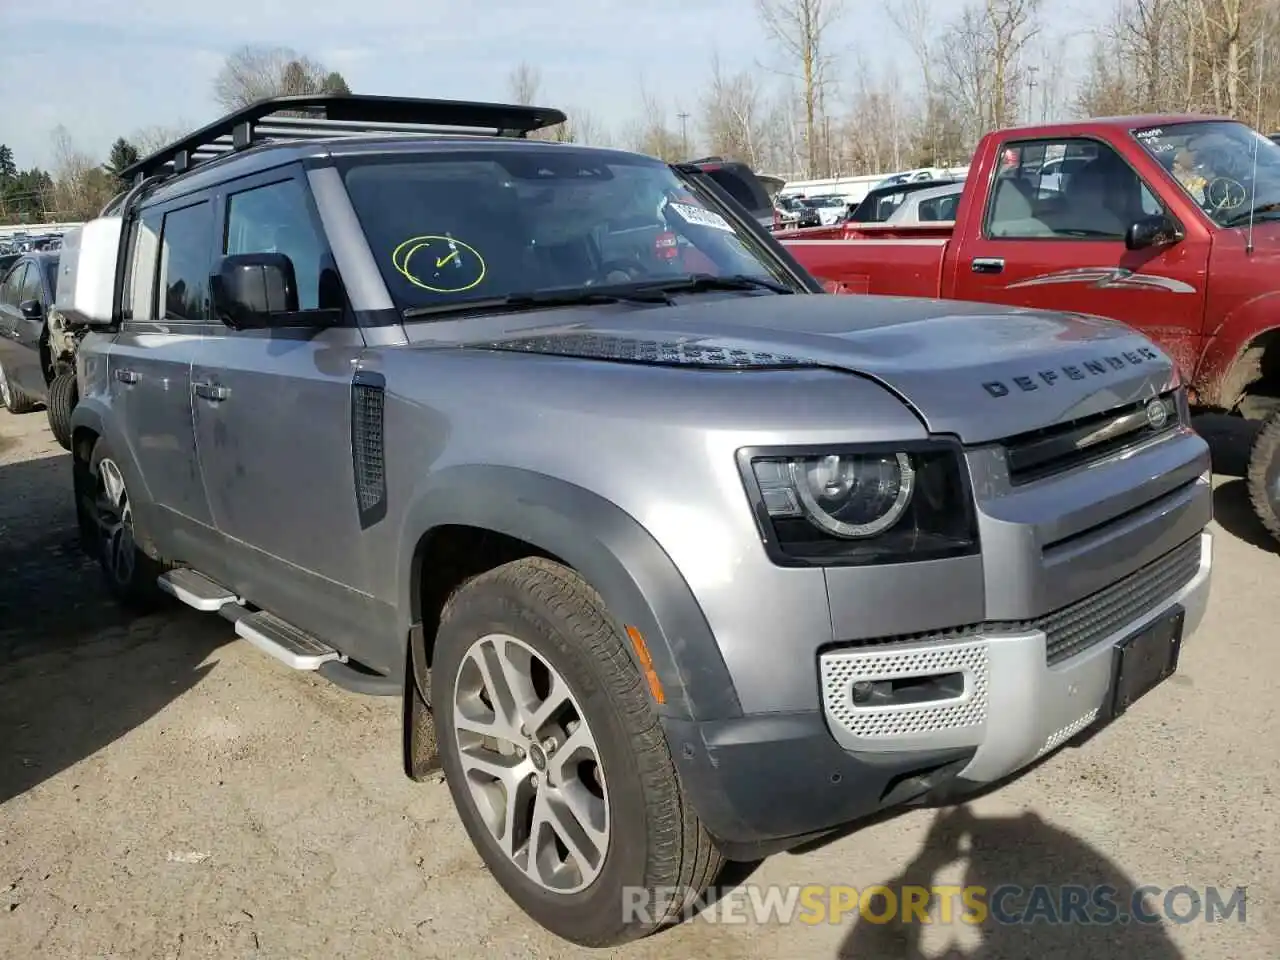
<point x="1156" y="231"/>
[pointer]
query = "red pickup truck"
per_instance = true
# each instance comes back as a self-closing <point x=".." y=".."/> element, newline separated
<point x="1168" y="223"/>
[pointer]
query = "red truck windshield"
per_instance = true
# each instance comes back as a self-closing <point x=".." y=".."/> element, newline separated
<point x="1213" y="161"/>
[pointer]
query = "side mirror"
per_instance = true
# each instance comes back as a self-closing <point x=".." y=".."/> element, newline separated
<point x="1156" y="231"/>
<point x="31" y="309"/>
<point x="249" y="289"/>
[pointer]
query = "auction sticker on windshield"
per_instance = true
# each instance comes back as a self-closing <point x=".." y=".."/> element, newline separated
<point x="699" y="216"/>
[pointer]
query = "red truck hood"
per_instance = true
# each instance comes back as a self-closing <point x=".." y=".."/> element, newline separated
<point x="976" y="371"/>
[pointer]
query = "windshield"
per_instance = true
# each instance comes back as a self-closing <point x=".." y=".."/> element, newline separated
<point x="1213" y="161"/>
<point x="457" y="226"/>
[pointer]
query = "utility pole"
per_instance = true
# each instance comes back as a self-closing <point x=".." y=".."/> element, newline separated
<point x="1031" y="86"/>
<point x="684" y="133"/>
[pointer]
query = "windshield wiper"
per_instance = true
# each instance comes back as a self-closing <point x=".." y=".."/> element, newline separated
<point x="538" y="301"/>
<point x="694" y="282"/>
<point x="1240" y="219"/>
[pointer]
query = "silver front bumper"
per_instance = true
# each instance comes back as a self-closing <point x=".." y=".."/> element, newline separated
<point x="1015" y="705"/>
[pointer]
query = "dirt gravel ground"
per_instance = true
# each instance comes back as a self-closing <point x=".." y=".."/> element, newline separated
<point x="168" y="791"/>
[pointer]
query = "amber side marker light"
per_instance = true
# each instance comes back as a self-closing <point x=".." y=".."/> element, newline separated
<point x="646" y="663"/>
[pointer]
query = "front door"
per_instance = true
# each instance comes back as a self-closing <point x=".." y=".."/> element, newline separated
<point x="1056" y="241"/>
<point x="272" y="412"/>
<point x="149" y="364"/>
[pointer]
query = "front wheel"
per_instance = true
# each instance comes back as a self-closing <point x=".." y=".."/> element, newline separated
<point x="1264" y="475"/>
<point x="131" y="575"/>
<point x="556" y="760"/>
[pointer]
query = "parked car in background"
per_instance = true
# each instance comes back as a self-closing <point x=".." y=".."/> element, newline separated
<point x="794" y="212"/>
<point x="26" y="292"/>
<point x="880" y="203"/>
<point x="935" y="205"/>
<point x="37" y="362"/>
<point x="831" y="207"/>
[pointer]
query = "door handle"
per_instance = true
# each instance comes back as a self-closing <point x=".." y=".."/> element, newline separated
<point x="127" y="376"/>
<point x="211" y="391"/>
<point x="988" y="264"/>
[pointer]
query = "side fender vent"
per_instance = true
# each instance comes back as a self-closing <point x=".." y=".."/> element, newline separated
<point x="368" y="453"/>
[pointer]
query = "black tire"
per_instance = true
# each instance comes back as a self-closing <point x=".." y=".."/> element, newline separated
<point x="656" y="840"/>
<point x="63" y="395"/>
<point x="17" y="400"/>
<point x="1264" y="475"/>
<point x="130" y="574"/>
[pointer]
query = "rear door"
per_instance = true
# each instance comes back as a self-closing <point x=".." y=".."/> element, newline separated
<point x="273" y="412"/>
<point x="166" y="303"/>
<point x="1058" y="243"/>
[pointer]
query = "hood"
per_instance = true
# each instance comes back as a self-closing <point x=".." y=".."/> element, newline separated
<point x="979" y="372"/>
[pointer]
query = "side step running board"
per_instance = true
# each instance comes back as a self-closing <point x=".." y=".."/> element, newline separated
<point x="196" y="590"/>
<point x="288" y="644"/>
<point x="284" y="641"/>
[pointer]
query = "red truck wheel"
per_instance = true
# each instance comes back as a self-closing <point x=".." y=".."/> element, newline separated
<point x="1264" y="475"/>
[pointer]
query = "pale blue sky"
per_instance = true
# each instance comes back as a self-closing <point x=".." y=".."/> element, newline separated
<point x="104" y="68"/>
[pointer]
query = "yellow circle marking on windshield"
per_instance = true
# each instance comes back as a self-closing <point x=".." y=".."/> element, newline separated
<point x="456" y="266"/>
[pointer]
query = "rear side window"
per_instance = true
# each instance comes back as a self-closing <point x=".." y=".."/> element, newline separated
<point x="185" y="262"/>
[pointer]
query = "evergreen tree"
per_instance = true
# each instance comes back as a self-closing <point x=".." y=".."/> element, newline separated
<point x="122" y="156"/>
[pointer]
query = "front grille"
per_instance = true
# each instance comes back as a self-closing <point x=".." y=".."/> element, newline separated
<point x="1078" y="626"/>
<point x="1053" y="450"/>
<point x="1082" y="624"/>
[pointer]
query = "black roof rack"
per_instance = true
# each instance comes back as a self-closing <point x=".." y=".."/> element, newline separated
<point x="309" y="117"/>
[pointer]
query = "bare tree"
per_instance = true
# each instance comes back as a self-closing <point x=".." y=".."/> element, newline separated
<point x="150" y="139"/>
<point x="81" y="187"/>
<point x="800" y="29"/>
<point x="650" y="133"/>
<point x="732" y="115"/>
<point x="1215" y="56"/>
<point x="254" y="73"/>
<point x="524" y="84"/>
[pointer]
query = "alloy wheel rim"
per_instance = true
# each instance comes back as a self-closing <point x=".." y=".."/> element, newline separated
<point x="531" y="764"/>
<point x="115" y="520"/>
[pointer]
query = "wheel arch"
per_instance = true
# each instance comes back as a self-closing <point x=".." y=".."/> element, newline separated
<point x="1243" y="352"/>
<point x="536" y="514"/>
<point x="91" y="422"/>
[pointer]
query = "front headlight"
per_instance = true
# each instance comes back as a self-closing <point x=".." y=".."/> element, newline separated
<point x="861" y="505"/>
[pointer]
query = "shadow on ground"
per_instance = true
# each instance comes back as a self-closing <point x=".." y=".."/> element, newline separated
<point x="1017" y="854"/>
<point x="76" y="671"/>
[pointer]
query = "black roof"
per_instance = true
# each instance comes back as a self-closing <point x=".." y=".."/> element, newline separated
<point x="338" y="116"/>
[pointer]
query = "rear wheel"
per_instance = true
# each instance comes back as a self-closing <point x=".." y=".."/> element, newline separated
<point x="130" y="574"/>
<point x="63" y="394"/>
<point x="1264" y="475"/>
<point x="556" y="760"/>
<point x="13" y="397"/>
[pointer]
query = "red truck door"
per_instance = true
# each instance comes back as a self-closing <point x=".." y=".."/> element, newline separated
<point x="1054" y="238"/>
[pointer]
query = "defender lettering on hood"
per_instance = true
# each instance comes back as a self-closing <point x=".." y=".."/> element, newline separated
<point x="1081" y="371"/>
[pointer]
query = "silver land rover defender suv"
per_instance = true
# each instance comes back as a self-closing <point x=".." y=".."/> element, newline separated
<point x="673" y="558"/>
